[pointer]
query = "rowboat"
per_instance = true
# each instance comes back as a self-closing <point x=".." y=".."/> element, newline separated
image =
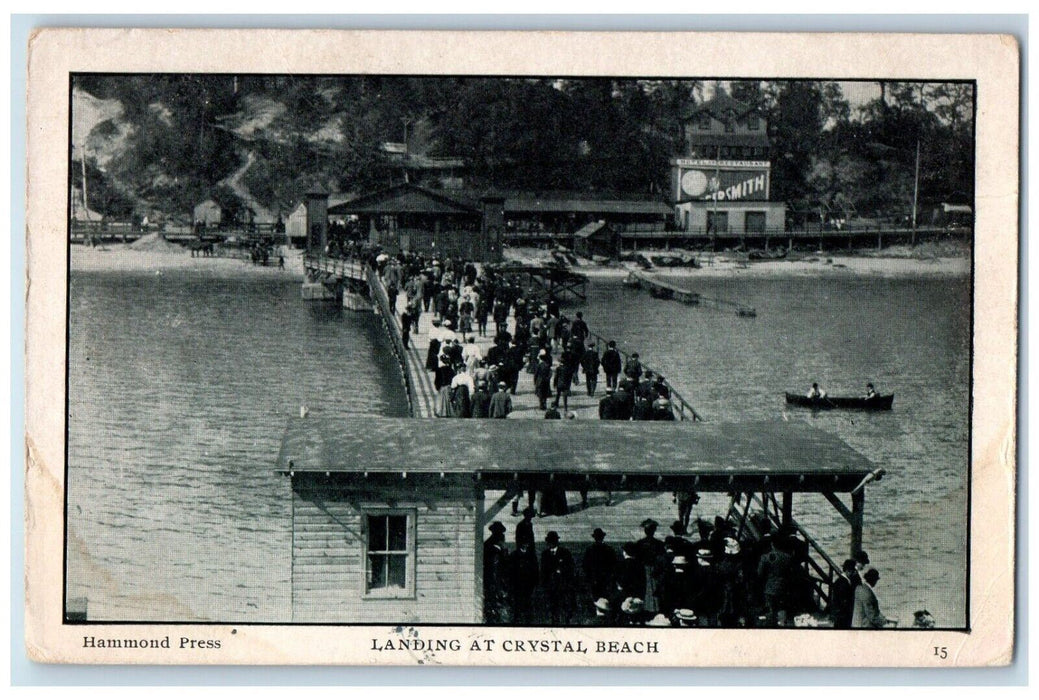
<point x="859" y="403"/>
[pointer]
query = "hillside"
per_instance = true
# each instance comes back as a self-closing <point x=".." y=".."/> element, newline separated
<point x="157" y="145"/>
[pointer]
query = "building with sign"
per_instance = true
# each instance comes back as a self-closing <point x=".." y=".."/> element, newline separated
<point x="721" y="184"/>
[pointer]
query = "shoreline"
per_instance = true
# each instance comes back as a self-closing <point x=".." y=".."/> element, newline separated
<point x="897" y="262"/>
<point x="122" y="258"/>
<point x="835" y="266"/>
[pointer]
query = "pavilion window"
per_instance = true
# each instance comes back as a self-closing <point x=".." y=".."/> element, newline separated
<point x="705" y="122"/>
<point x="390" y="554"/>
<point x="753" y="123"/>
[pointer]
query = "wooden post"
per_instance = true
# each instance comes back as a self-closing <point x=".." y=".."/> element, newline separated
<point x="858" y="502"/>
<point x="478" y="553"/>
<point x="788" y="507"/>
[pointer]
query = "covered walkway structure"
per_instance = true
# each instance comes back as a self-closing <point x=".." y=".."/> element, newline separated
<point x="389" y="515"/>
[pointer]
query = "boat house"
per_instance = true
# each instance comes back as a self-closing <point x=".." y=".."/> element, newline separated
<point x="389" y="515"/>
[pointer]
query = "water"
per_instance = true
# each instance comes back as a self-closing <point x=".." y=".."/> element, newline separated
<point x="910" y="337"/>
<point x="176" y="513"/>
<point x="180" y="388"/>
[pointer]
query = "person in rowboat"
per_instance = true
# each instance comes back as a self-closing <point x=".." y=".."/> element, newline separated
<point x="871" y="393"/>
<point x="815" y="392"/>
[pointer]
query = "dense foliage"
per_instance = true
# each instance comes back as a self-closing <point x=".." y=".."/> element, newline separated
<point x="190" y="134"/>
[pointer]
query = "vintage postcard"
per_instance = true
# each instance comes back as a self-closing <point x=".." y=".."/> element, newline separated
<point x="505" y="348"/>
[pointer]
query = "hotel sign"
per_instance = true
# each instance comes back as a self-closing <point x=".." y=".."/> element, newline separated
<point x="720" y="180"/>
<point x="711" y="163"/>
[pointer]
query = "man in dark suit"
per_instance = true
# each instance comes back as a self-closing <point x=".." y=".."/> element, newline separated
<point x="481" y="401"/>
<point x="599" y="563"/>
<point x="525" y="527"/>
<point x="495" y="576"/>
<point x="579" y="329"/>
<point x="651" y="555"/>
<point x="842" y="595"/>
<point x="608" y="406"/>
<point x="557" y="577"/>
<point x="523" y="574"/>
<point x="543" y="380"/>
<point x="611" y="364"/>
<point x="625" y="399"/>
<point x="590" y="366"/>
<point x="501" y="402"/>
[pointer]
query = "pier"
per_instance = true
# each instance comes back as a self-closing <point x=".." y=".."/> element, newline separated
<point x="547" y="281"/>
<point x="337" y="278"/>
<point x="440" y="483"/>
<point x="666" y="290"/>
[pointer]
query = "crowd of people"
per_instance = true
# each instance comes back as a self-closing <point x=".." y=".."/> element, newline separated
<point x="559" y="353"/>
<point x="714" y="577"/>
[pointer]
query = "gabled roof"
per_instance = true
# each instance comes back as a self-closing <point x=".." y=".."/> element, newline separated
<point x="719" y="106"/>
<point x="757" y="139"/>
<point x="406" y="199"/>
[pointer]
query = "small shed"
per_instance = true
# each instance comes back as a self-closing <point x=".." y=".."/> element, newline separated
<point x="296" y="223"/>
<point x="207" y="213"/>
<point x="597" y="238"/>
<point x="388" y="514"/>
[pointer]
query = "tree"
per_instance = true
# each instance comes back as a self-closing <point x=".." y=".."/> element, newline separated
<point x="796" y="124"/>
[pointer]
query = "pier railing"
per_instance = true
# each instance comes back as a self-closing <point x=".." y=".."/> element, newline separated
<point x="351" y="268"/>
<point x="683" y="408"/>
<point x="822" y="569"/>
<point x="388" y="317"/>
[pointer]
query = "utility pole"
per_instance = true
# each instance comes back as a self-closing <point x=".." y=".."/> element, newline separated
<point x="83" y="168"/>
<point x="916" y="190"/>
<point x="406" y="121"/>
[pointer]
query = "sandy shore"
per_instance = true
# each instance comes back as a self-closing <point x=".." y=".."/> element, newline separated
<point x="121" y="257"/>
<point x="817" y="265"/>
<point x="835" y="266"/>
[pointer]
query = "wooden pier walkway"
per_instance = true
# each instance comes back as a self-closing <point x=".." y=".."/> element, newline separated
<point x="418" y="383"/>
<point x="422" y="395"/>
<point x="667" y="290"/>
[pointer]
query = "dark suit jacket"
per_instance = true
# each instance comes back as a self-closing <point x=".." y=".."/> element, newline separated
<point x="557" y="569"/>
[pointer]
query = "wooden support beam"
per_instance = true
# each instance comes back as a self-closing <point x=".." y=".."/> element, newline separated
<point x="788" y="508"/>
<point x="732" y="506"/>
<point x="478" y="525"/>
<point x="858" y="508"/>
<point x="743" y="519"/>
<point x="496" y="507"/>
<point x="839" y="505"/>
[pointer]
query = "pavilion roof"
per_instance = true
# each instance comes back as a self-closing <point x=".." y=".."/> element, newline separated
<point x="790" y="455"/>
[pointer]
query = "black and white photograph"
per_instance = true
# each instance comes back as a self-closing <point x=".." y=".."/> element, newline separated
<point x="410" y="350"/>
